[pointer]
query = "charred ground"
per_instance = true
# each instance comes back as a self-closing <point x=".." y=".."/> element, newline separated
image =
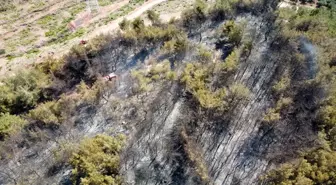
<point x="221" y="96"/>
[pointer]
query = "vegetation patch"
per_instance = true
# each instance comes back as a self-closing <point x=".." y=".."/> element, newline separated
<point x="316" y="166"/>
<point x="9" y="124"/>
<point x="97" y="161"/>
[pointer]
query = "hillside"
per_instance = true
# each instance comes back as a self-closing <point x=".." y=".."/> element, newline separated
<point x="231" y="92"/>
<point x="32" y="31"/>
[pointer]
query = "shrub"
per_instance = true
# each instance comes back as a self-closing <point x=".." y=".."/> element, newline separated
<point x="9" y="124"/>
<point x="283" y="103"/>
<point x="157" y="73"/>
<point x="239" y="92"/>
<point x="47" y="113"/>
<point x="317" y="167"/>
<point x="2" y="51"/>
<point x="125" y="24"/>
<point x="223" y="9"/>
<point x="195" y="78"/>
<point x="271" y="116"/>
<point x="192" y="19"/>
<point x="209" y="99"/>
<point x="204" y="55"/>
<point x="159" y="69"/>
<point x="176" y="47"/>
<point x="6" y="5"/>
<point x="171" y="75"/>
<point x="138" y="24"/>
<point x="142" y="84"/>
<point x="90" y="95"/>
<point x="153" y="17"/>
<point x="247" y="48"/>
<point x="50" y="65"/>
<point x="22" y="92"/>
<point x="97" y="161"/>
<point x="282" y="85"/>
<point x="231" y="63"/>
<point x="232" y="32"/>
<point x="62" y="155"/>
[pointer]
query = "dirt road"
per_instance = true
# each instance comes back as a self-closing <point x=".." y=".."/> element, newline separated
<point x="61" y="49"/>
<point x="115" y="24"/>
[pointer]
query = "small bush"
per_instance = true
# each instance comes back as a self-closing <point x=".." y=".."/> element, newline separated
<point x="239" y="92"/>
<point x="23" y="91"/>
<point x="195" y="78"/>
<point x="9" y="124"/>
<point x="204" y="55"/>
<point x="125" y="24"/>
<point x="317" y="167"/>
<point x="271" y="116"/>
<point x="232" y="32"/>
<point x="153" y="17"/>
<point x="176" y="47"/>
<point x="282" y="85"/>
<point x="47" y="113"/>
<point x="283" y="103"/>
<point x="192" y="19"/>
<point x="223" y="9"/>
<point x="157" y="73"/>
<point x="62" y="155"/>
<point x="142" y="82"/>
<point x="138" y="24"/>
<point x="50" y="65"/>
<point x="247" y="48"/>
<point x="171" y="75"/>
<point x="90" y="95"/>
<point x="231" y="63"/>
<point x="97" y="161"/>
<point x="2" y="51"/>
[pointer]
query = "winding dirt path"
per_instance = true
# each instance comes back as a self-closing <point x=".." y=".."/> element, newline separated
<point x="115" y="24"/>
<point x="61" y="49"/>
<point x="32" y="17"/>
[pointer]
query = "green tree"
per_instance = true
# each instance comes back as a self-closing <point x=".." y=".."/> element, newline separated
<point x="231" y="62"/>
<point x="176" y="48"/>
<point x="232" y="32"/>
<point x="195" y="77"/>
<point x="125" y="24"/>
<point x="194" y="18"/>
<point x="97" y="161"/>
<point x="222" y="9"/>
<point x="153" y="17"/>
<point x="9" y="124"/>
<point x="315" y="168"/>
<point x="204" y="55"/>
<point x="47" y="113"/>
<point x="22" y="91"/>
<point x="138" y="24"/>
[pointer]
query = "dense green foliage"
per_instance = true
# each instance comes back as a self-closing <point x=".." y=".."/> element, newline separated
<point x="196" y="76"/>
<point x="48" y="112"/>
<point x="97" y="161"/>
<point x="315" y="167"/>
<point x="327" y="3"/>
<point x="232" y="32"/>
<point x="22" y="91"/>
<point x="157" y="73"/>
<point x="9" y="124"/>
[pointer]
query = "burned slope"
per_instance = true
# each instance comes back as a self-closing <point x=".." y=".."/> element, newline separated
<point x="239" y="144"/>
<point x="176" y="133"/>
